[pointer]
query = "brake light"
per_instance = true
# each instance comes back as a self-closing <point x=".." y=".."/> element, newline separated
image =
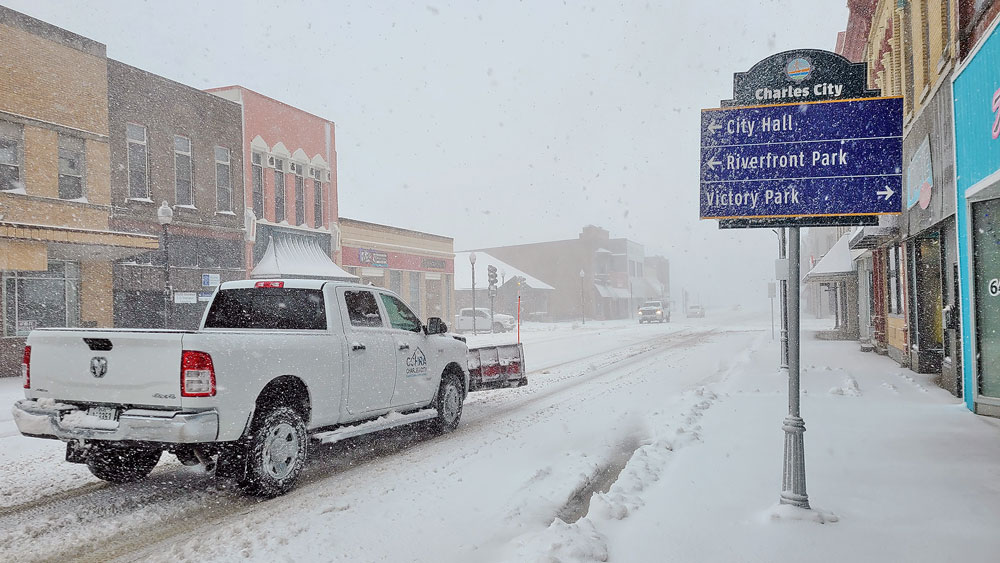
<point x="26" y="367"/>
<point x="269" y="284"/>
<point x="197" y="374"/>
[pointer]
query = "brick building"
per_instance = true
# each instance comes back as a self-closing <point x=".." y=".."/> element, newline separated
<point x="291" y="185"/>
<point x="56" y="242"/>
<point x="420" y="267"/>
<point x="175" y="144"/>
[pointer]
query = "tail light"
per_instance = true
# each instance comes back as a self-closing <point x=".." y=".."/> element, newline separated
<point x="269" y="284"/>
<point x="197" y="374"/>
<point x="26" y="367"/>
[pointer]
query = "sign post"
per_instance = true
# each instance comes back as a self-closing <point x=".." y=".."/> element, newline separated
<point x="802" y="143"/>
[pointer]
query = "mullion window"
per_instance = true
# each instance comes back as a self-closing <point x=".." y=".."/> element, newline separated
<point x="183" y="172"/>
<point x="138" y="161"/>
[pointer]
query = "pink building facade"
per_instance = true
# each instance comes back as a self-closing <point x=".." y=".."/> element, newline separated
<point x="290" y="176"/>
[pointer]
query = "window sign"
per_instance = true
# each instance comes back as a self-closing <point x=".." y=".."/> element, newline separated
<point x="919" y="177"/>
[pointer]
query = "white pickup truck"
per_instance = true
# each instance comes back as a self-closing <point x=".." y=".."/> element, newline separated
<point x="274" y="364"/>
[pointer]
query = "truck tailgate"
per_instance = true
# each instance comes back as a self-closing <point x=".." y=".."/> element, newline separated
<point x="496" y="366"/>
<point x="133" y="367"/>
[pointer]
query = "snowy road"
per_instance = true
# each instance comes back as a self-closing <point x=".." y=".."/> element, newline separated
<point x="520" y="458"/>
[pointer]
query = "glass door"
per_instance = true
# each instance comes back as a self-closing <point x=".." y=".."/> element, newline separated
<point x="986" y="257"/>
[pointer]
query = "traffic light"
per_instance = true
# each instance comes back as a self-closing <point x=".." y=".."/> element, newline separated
<point x="492" y="272"/>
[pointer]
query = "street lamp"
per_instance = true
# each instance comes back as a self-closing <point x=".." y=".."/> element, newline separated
<point x="472" y="261"/>
<point x="165" y="215"/>
<point x="583" y="293"/>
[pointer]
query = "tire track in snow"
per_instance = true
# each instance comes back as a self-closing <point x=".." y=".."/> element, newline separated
<point x="202" y="506"/>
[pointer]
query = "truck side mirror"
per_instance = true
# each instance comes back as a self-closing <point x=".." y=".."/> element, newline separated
<point x="436" y="326"/>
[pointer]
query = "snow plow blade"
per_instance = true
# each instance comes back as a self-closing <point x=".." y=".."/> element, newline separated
<point x="493" y="367"/>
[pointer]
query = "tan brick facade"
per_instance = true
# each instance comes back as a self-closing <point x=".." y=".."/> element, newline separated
<point x="54" y="107"/>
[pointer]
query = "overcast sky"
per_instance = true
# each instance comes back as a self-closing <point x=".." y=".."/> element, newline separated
<point x="495" y="123"/>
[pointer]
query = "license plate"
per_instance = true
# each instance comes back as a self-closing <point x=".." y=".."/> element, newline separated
<point x="104" y="413"/>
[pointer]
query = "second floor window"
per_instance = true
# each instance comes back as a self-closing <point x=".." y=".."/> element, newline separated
<point x="10" y="156"/>
<point x="223" y="181"/>
<point x="300" y="200"/>
<point x="279" y="190"/>
<point x="318" y="203"/>
<point x="138" y="161"/>
<point x="257" y="178"/>
<point x="182" y="170"/>
<point x="72" y="167"/>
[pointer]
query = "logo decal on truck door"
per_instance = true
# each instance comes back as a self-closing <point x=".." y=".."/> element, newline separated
<point x="98" y="366"/>
<point x="416" y="364"/>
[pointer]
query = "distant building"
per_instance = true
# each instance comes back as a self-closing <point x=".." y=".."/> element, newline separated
<point x="594" y="275"/>
<point x="512" y="283"/>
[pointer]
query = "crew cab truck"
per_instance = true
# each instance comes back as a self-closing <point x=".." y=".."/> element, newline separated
<point x="274" y="364"/>
<point x="653" y="311"/>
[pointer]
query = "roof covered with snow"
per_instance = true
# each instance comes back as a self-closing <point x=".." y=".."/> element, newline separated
<point x="463" y="272"/>
<point x="837" y="262"/>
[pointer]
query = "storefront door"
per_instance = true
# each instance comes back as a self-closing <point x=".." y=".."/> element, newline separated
<point x="986" y="287"/>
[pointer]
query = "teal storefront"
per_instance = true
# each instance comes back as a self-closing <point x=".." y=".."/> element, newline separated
<point x="977" y="170"/>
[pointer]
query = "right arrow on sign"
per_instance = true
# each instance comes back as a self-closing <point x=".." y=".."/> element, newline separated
<point x="887" y="192"/>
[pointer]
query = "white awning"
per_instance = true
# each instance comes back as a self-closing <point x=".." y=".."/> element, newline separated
<point x="297" y="257"/>
<point x="836" y="264"/>
<point x="612" y="292"/>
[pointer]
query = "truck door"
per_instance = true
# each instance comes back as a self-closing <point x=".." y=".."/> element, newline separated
<point x="371" y="355"/>
<point x="417" y="365"/>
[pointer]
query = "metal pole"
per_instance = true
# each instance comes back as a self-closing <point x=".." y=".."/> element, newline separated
<point x="475" y="316"/>
<point x="783" y="302"/>
<point x="793" y="480"/>
<point x="167" y="298"/>
<point x="583" y="303"/>
<point x="492" y="324"/>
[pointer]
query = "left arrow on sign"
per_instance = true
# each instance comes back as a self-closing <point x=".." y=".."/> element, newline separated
<point x="714" y="126"/>
<point x="712" y="163"/>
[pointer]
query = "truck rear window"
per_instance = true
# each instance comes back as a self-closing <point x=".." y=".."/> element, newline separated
<point x="273" y="308"/>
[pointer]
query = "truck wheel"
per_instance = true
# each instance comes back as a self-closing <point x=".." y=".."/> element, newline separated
<point x="117" y="464"/>
<point x="448" y="404"/>
<point x="276" y="452"/>
<point x="497" y="327"/>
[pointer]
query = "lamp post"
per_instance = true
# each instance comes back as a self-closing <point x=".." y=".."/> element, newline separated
<point x="165" y="215"/>
<point x="472" y="261"/>
<point x="583" y="293"/>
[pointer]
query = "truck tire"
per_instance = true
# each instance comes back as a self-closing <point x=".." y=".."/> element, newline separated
<point x="497" y="327"/>
<point x="117" y="464"/>
<point x="448" y="404"/>
<point x="275" y="453"/>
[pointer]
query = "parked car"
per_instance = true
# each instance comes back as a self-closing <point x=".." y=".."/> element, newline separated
<point x="653" y="311"/>
<point x="696" y="311"/>
<point x="465" y="321"/>
<point x="274" y="364"/>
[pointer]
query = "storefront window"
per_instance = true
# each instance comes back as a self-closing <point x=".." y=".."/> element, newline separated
<point x="415" y="290"/>
<point x="42" y="299"/>
<point x="986" y="246"/>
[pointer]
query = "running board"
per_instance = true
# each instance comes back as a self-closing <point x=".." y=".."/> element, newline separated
<point x="383" y="422"/>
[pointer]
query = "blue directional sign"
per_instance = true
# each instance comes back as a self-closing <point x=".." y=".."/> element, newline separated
<point x="819" y="159"/>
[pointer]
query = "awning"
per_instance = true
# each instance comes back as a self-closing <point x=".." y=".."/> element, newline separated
<point x="835" y="265"/>
<point x="612" y="292"/>
<point x="875" y="236"/>
<point x="289" y="256"/>
<point x="36" y="243"/>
